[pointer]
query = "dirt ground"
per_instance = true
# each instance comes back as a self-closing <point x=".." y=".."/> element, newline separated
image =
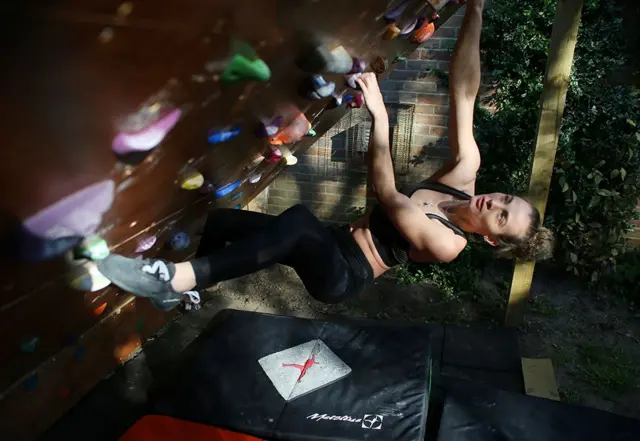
<point x="594" y="341"/>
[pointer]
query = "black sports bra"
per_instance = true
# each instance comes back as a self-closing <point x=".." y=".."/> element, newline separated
<point x="391" y="245"/>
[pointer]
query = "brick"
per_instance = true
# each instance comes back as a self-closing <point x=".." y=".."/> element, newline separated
<point x="421" y="65"/>
<point x="432" y="43"/>
<point x="443" y="66"/>
<point x="446" y="32"/>
<point x="391" y="85"/>
<point x="443" y="55"/>
<point x="441" y="110"/>
<point x="433" y="120"/>
<point x="424" y="109"/>
<point x="432" y="99"/>
<point x="407" y="97"/>
<point x="390" y="97"/>
<point x="456" y="20"/>
<point x="438" y="131"/>
<point x="448" y="43"/>
<point x="400" y="74"/>
<point x="419" y="86"/>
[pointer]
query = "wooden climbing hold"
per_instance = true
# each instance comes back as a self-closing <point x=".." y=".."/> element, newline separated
<point x="145" y="242"/>
<point x="191" y="179"/>
<point x="29" y="346"/>
<point x="227" y="189"/>
<point x="31" y="383"/>
<point x="379" y="65"/>
<point x="319" y="59"/>
<point x="99" y="310"/>
<point x="92" y="248"/>
<point x="391" y="32"/>
<point x="179" y="241"/>
<point x="217" y="136"/>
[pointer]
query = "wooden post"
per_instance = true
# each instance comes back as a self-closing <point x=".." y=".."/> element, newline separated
<point x="554" y="93"/>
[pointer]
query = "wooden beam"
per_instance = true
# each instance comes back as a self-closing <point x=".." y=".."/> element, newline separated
<point x="561" y="48"/>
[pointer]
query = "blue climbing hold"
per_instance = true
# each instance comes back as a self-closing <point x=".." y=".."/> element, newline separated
<point x="79" y="353"/>
<point x="29" y="346"/>
<point x="30" y="383"/>
<point x="179" y="241"/>
<point x="237" y="207"/>
<point x="237" y="196"/>
<point x="218" y="136"/>
<point x="227" y="189"/>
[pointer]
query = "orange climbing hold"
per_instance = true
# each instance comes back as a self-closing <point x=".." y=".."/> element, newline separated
<point x="99" y="310"/>
<point x="294" y="132"/>
<point x="424" y="33"/>
<point x="162" y="428"/>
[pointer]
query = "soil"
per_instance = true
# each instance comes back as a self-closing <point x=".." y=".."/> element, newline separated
<point x="593" y="340"/>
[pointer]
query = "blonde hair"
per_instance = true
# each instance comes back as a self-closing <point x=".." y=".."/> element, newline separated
<point x="537" y="244"/>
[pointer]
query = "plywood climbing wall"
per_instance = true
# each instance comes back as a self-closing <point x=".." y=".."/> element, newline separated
<point x="125" y="122"/>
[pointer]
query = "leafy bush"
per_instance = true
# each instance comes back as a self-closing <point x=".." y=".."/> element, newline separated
<point x="594" y="191"/>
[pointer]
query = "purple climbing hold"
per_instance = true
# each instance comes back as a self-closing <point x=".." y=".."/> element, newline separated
<point x="179" y="241"/>
<point x="395" y="12"/>
<point x="217" y="136"/>
<point x="351" y="80"/>
<point x="147" y="138"/>
<point x="146" y="242"/>
<point x="358" y="66"/>
<point x="270" y="128"/>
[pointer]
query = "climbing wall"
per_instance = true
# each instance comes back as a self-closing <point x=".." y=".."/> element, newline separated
<point x="122" y="124"/>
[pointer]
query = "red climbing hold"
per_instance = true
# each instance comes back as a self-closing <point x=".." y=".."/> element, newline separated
<point x="99" y="310"/>
<point x="424" y="33"/>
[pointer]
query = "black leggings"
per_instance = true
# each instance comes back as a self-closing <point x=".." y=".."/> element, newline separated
<point x="327" y="260"/>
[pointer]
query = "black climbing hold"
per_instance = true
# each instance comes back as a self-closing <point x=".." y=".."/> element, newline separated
<point x="21" y="244"/>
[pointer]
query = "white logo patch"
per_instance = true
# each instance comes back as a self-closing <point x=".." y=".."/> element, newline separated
<point x="369" y="421"/>
<point x="159" y="268"/>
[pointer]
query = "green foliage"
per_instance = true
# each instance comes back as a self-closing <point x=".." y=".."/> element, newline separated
<point x="594" y="191"/>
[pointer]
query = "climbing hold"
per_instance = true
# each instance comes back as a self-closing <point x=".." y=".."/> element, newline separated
<point x="424" y="33"/>
<point x="218" y="136"/>
<point x="191" y="179"/>
<point x="148" y="138"/>
<point x="338" y="98"/>
<point x="139" y="327"/>
<point x="179" y="241"/>
<point x="270" y="128"/>
<point x="407" y="26"/>
<point x="79" y="353"/>
<point x="379" y="65"/>
<point x="206" y="188"/>
<point x="83" y="274"/>
<point x="311" y="132"/>
<point x="356" y="102"/>
<point x="227" y="189"/>
<point x="255" y="162"/>
<point x="237" y="207"/>
<point x="79" y="214"/>
<point x="290" y="159"/>
<point x="254" y="177"/>
<point x="29" y="346"/>
<point x="125" y="9"/>
<point x="92" y="248"/>
<point x="30" y="383"/>
<point x="275" y="155"/>
<point x="391" y="32"/>
<point x="237" y="196"/>
<point x="145" y="242"/>
<point x="351" y="80"/>
<point x="316" y="87"/>
<point x="64" y="393"/>
<point x="241" y="68"/>
<point x="99" y="310"/>
<point x="319" y="59"/>
<point x="399" y="59"/>
<point x="293" y="132"/>
<point x="358" y="66"/>
<point x="395" y="12"/>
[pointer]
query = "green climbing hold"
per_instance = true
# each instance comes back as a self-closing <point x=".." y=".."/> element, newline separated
<point x="311" y="132"/>
<point x="29" y="346"/>
<point x="139" y="326"/>
<point x="241" y="68"/>
<point x="399" y="59"/>
<point x="93" y="248"/>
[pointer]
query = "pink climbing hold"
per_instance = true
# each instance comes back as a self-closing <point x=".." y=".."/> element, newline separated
<point x="147" y="138"/>
<point x="145" y="243"/>
<point x="275" y="155"/>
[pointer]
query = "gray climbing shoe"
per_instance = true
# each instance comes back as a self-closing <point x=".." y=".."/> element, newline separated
<point x="150" y="278"/>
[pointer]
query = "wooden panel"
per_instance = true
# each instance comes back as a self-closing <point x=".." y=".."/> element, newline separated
<point x="73" y="71"/>
<point x="561" y="48"/>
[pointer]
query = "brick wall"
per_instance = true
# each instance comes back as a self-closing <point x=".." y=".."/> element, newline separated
<point x="331" y="179"/>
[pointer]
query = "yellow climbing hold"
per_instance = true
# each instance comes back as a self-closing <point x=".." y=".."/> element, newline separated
<point x="191" y="180"/>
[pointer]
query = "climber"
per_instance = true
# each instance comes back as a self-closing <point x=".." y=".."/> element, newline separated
<point x="430" y="222"/>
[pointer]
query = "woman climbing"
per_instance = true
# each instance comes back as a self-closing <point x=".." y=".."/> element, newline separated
<point x="430" y="222"/>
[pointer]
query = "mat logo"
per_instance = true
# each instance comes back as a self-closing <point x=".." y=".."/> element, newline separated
<point x="373" y="422"/>
<point x="369" y="421"/>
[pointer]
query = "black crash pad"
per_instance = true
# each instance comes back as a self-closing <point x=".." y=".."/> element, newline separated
<point x="383" y="397"/>
<point x="475" y="413"/>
